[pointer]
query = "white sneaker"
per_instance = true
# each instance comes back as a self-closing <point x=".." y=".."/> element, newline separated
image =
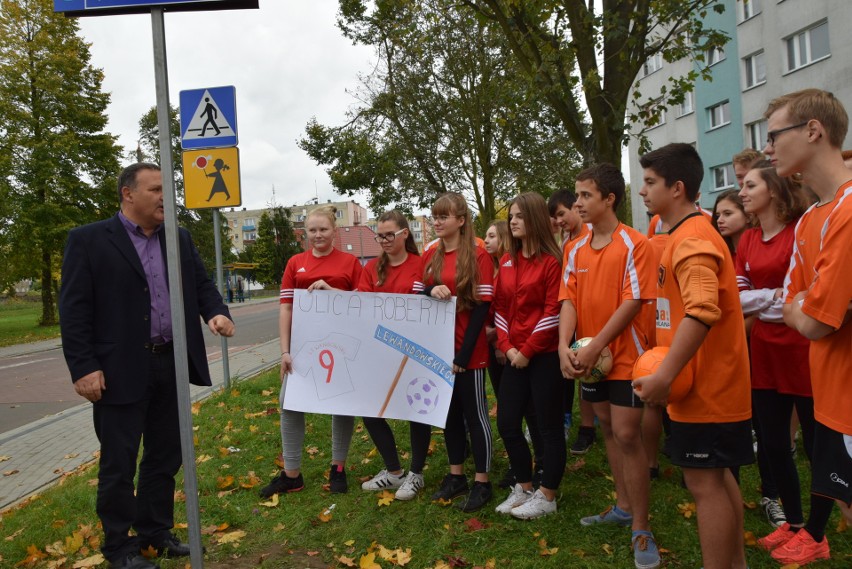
<point x="412" y="484"/>
<point x="538" y="505"/>
<point x="516" y="497"/>
<point x="384" y="480"/>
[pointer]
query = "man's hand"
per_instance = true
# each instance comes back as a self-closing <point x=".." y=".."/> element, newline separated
<point x="91" y="386"/>
<point x="221" y="325"/>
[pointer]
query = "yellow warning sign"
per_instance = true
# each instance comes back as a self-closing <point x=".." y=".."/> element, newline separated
<point x="211" y="178"/>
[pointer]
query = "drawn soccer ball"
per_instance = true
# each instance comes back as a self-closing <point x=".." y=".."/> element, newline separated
<point x="422" y="395"/>
<point x="650" y="361"/>
<point x="601" y="367"/>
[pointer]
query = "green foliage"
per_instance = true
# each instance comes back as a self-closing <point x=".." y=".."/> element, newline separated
<point x="276" y="243"/>
<point x="581" y="58"/>
<point x="19" y="323"/>
<point x="58" y="163"/>
<point x="445" y="110"/>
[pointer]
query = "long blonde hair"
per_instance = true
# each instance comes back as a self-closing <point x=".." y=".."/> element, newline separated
<point x="410" y="246"/>
<point x="467" y="271"/>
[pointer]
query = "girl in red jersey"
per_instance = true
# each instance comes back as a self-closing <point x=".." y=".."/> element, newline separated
<point x="780" y="374"/>
<point x="526" y="311"/>
<point x="322" y="267"/>
<point x="730" y="219"/>
<point x="398" y="269"/>
<point x="498" y="242"/>
<point x="457" y="267"/>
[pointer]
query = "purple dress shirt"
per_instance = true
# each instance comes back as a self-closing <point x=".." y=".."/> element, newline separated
<point x="153" y="263"/>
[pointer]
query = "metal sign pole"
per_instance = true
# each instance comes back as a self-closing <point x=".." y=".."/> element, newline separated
<point x="176" y="290"/>
<point x="220" y="282"/>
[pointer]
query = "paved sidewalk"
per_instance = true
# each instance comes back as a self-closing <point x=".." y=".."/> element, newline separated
<point x="42" y="451"/>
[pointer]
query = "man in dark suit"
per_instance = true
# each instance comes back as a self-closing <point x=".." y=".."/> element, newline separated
<point x="117" y="339"/>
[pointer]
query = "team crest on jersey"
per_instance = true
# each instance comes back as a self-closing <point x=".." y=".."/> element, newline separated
<point x="508" y="263"/>
<point x="661" y="276"/>
<point x="748" y="267"/>
<point x="302" y="270"/>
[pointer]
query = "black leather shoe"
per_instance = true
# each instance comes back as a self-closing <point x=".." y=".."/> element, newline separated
<point x="133" y="561"/>
<point x="173" y="547"/>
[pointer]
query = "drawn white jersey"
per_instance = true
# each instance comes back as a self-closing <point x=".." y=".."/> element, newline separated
<point x="325" y="361"/>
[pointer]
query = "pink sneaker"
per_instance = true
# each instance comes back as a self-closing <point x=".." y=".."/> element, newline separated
<point x="801" y="549"/>
<point x="777" y="538"/>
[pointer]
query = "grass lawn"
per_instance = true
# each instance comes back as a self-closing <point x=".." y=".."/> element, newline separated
<point x="19" y="323"/>
<point x="241" y="531"/>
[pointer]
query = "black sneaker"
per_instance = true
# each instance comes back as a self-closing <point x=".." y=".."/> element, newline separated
<point x="479" y="495"/>
<point x="585" y="439"/>
<point x="451" y="486"/>
<point x="508" y="480"/>
<point x="282" y="484"/>
<point x="337" y="480"/>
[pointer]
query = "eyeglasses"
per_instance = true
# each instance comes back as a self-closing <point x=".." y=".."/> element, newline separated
<point x="444" y="218"/>
<point x="773" y="134"/>
<point x="389" y="237"/>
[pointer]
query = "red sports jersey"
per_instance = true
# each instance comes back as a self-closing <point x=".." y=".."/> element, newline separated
<point x="526" y="304"/>
<point x="779" y="354"/>
<point x="825" y="253"/>
<point x="598" y="281"/>
<point x="406" y="278"/>
<point x="485" y="290"/>
<point x="340" y="270"/>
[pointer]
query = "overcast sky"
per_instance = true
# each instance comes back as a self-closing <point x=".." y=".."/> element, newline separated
<point x="287" y="60"/>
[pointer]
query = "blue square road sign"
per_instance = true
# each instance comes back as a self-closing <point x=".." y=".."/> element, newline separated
<point x="208" y="118"/>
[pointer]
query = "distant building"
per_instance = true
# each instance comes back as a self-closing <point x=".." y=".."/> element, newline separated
<point x="348" y="213"/>
<point x="242" y="224"/>
<point x="776" y="47"/>
<point x="420" y="226"/>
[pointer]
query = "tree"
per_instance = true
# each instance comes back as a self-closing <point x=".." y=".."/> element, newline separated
<point x="59" y="164"/>
<point x="583" y="60"/>
<point x="198" y="222"/>
<point x="443" y="111"/>
<point x="276" y="242"/>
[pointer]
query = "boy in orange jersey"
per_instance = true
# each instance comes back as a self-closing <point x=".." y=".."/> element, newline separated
<point x="700" y="319"/>
<point x="608" y="274"/>
<point x="806" y="130"/>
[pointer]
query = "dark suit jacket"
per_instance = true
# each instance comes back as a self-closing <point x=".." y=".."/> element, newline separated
<point x="105" y="308"/>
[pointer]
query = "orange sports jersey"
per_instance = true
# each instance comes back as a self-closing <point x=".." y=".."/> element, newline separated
<point x="338" y="269"/>
<point x="582" y="231"/>
<point x="827" y="300"/>
<point x="597" y="282"/>
<point x="406" y="278"/>
<point x="655" y="226"/>
<point x="485" y="291"/>
<point x="526" y="304"/>
<point x="696" y="279"/>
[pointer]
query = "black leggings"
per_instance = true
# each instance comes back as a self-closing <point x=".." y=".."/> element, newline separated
<point x="468" y="405"/>
<point x="772" y="412"/>
<point x="495" y="372"/>
<point x="540" y="383"/>
<point x="382" y="435"/>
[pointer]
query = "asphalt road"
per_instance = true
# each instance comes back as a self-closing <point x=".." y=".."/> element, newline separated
<point x="37" y="384"/>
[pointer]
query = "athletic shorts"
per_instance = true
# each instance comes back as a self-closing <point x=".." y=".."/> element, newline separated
<point x="711" y="445"/>
<point x="832" y="464"/>
<point x="616" y="391"/>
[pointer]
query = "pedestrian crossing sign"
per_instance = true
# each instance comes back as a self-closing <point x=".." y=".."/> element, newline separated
<point x="208" y="118"/>
<point x="211" y="178"/>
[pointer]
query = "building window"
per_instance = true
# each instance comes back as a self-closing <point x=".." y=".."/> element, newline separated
<point x="719" y="115"/>
<point x="756" y="134"/>
<point x="300" y="218"/>
<point x="755" y="70"/>
<point x="653" y="113"/>
<point x="750" y="9"/>
<point x="715" y="55"/>
<point x="652" y="64"/>
<point x="348" y="246"/>
<point x="807" y="46"/>
<point x="418" y="236"/>
<point x="339" y="214"/>
<point x="688" y="104"/>
<point x="249" y="236"/>
<point x="723" y="177"/>
<point x="249" y="221"/>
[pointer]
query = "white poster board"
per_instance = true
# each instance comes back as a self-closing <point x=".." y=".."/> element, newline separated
<point x="372" y="355"/>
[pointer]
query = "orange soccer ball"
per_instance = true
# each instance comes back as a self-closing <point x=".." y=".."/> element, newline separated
<point x="650" y="361"/>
